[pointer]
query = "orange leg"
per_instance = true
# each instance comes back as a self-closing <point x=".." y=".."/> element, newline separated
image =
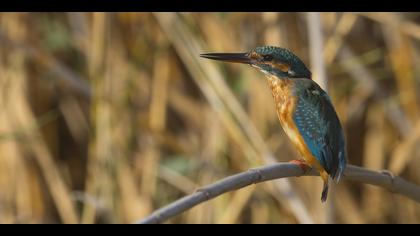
<point x="302" y="164"/>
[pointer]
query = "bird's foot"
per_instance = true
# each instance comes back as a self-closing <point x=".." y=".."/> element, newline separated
<point x="302" y="164"/>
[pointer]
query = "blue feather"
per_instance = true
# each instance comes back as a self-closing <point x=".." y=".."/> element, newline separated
<point x="318" y="124"/>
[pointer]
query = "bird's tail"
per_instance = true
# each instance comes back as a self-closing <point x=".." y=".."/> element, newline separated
<point x="325" y="191"/>
<point x="325" y="178"/>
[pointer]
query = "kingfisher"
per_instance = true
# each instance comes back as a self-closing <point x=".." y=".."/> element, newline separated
<point x="304" y="109"/>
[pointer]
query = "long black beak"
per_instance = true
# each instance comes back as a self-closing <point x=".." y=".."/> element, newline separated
<point x="229" y="57"/>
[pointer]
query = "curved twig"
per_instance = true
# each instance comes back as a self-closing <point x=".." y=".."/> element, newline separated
<point x="383" y="179"/>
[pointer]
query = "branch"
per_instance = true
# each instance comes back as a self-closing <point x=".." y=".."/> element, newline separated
<point x="383" y="179"/>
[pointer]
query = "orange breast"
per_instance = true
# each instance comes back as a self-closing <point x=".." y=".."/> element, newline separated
<point x="285" y="105"/>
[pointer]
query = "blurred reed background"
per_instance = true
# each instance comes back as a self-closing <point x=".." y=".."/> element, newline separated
<point x="107" y="117"/>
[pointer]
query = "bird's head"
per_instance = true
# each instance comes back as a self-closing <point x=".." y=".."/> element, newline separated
<point x="272" y="61"/>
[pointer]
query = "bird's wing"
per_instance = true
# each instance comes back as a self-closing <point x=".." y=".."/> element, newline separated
<point x="320" y="128"/>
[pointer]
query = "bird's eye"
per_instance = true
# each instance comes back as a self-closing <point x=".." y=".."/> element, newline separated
<point x="268" y="57"/>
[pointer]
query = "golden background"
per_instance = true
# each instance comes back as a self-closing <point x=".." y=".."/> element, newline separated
<point x="107" y="117"/>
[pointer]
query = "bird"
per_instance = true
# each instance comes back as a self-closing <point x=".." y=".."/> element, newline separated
<point x="304" y="109"/>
